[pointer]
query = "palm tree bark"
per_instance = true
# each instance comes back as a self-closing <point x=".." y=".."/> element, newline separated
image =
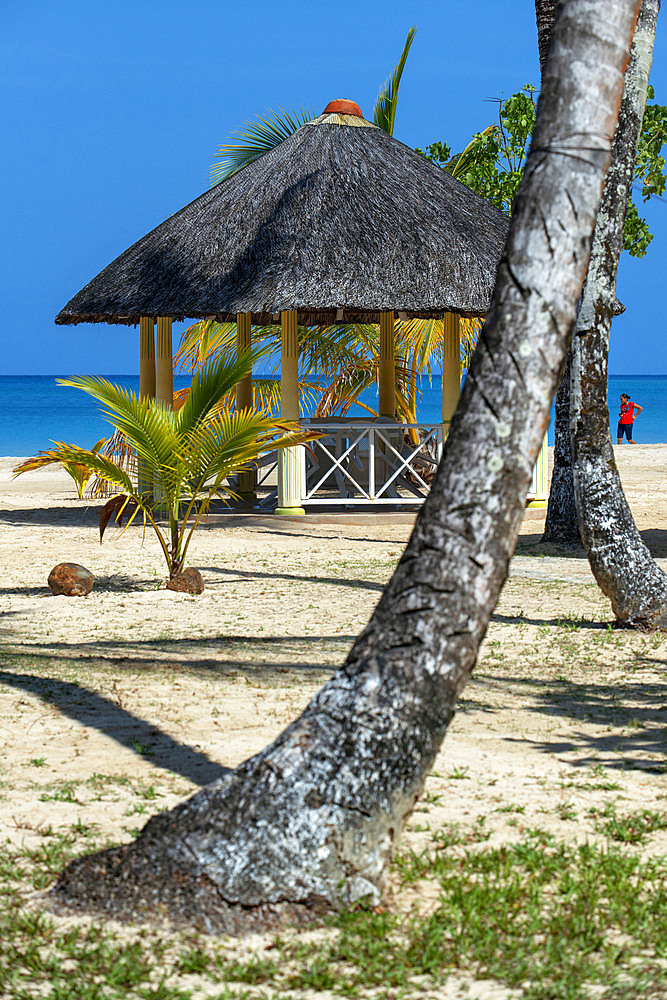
<point x="621" y="563"/>
<point x="311" y="821"/>
<point x="545" y="16"/>
<point x="561" y="526"/>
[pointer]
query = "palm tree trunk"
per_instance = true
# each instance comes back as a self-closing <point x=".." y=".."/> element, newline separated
<point x="561" y="526"/>
<point x="545" y="16"/>
<point x="311" y="822"/>
<point x="622" y="564"/>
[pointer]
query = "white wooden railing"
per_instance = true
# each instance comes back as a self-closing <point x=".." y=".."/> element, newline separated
<point x="362" y="462"/>
<point x="358" y="462"/>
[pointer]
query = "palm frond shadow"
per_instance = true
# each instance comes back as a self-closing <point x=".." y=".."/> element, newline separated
<point x="634" y="717"/>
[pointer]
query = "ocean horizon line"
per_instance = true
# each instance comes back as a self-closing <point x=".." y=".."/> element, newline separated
<point x="38" y="410"/>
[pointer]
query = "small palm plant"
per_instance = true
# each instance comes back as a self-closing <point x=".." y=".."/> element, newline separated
<point x="184" y="457"/>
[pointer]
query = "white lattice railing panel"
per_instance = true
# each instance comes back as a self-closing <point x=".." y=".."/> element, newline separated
<point x="370" y="463"/>
<point x="355" y="463"/>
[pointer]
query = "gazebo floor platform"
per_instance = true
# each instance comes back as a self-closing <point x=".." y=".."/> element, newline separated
<point x="234" y="518"/>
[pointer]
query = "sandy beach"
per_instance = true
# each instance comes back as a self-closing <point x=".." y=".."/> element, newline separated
<point x="136" y="688"/>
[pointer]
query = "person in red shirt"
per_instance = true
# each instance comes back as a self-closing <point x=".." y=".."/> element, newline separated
<point x="626" y="418"/>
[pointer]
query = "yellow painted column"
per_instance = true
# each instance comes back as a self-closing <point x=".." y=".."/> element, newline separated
<point x="539" y="488"/>
<point x="451" y="369"/>
<point x="146" y="380"/>
<point x="289" y="459"/>
<point x="245" y="401"/>
<point x="387" y="368"/>
<point x="164" y="365"/>
<point x="147" y="357"/>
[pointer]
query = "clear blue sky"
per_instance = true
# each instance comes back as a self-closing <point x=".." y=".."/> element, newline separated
<point x="113" y="111"/>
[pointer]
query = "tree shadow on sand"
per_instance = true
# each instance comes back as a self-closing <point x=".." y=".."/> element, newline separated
<point x="123" y="583"/>
<point x="334" y="581"/>
<point x="629" y="720"/>
<point x="655" y="540"/>
<point x="223" y="655"/>
<point x="571" y="624"/>
<point x="95" y="711"/>
<point x="120" y="583"/>
<point x="70" y="516"/>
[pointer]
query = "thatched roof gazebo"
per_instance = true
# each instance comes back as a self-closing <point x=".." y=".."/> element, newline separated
<point x="339" y="223"/>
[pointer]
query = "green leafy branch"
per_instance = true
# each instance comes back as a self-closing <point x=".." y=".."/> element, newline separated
<point x="492" y="163"/>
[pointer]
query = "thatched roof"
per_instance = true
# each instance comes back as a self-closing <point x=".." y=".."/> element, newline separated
<point x="337" y="222"/>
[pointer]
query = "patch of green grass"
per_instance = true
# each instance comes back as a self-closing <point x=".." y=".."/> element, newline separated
<point x="633" y="828"/>
<point x="62" y="791"/>
<point x="454" y="834"/>
<point x="596" y="779"/>
<point x="433" y="798"/>
<point x="566" y="811"/>
<point x="548" y="919"/>
<point x="46" y="860"/>
<point x="143" y="749"/>
<point x="147" y="792"/>
<point x="460" y="774"/>
<point x="256" y="970"/>
<point x="98" y="780"/>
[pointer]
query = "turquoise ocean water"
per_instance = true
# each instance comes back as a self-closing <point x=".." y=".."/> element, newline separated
<point x="37" y="411"/>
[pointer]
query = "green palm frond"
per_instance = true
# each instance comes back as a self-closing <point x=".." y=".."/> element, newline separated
<point x="117" y="448"/>
<point x="459" y="165"/>
<point x="80" y="473"/>
<point x="362" y="339"/>
<point x="98" y="464"/>
<point x="325" y="350"/>
<point x="266" y="392"/>
<point x="216" y="449"/>
<point x="203" y="341"/>
<point x="384" y="111"/>
<point x="212" y="384"/>
<point x="182" y="457"/>
<point x="256" y="138"/>
<point x="208" y="341"/>
<point x="470" y="330"/>
<point x="150" y="428"/>
<point x="420" y="342"/>
<point x="267" y="396"/>
<point x="343" y="391"/>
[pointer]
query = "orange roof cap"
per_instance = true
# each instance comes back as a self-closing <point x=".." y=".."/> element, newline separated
<point x="341" y="106"/>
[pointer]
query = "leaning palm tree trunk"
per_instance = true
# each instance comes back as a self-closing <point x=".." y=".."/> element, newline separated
<point x="622" y="564"/>
<point x="311" y="821"/>
<point x="561" y="526"/>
